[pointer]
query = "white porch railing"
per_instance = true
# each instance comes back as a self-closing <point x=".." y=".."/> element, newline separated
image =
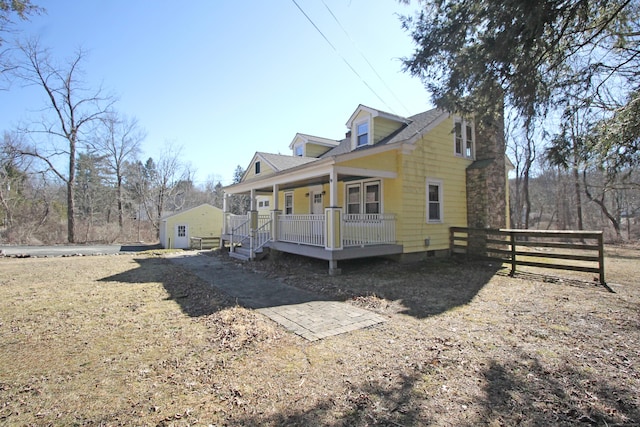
<point x="302" y="229"/>
<point x="239" y="229"/>
<point x="263" y="232"/>
<point x="369" y="229"/>
<point x="357" y="230"/>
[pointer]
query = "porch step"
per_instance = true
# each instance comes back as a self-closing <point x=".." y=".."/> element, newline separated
<point x="243" y="253"/>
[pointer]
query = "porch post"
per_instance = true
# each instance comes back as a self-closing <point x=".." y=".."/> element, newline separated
<point x="275" y="217"/>
<point x="333" y="222"/>
<point x="253" y="199"/>
<point x="253" y="226"/>
<point x="333" y="188"/>
<point x="276" y="189"/>
<point x="226" y="215"/>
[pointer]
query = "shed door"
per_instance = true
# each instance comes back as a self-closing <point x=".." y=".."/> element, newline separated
<point x="181" y="236"/>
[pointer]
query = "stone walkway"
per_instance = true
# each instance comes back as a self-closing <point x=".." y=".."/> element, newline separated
<point x="310" y="315"/>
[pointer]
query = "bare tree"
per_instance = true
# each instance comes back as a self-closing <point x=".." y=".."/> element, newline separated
<point x="73" y="109"/>
<point x="118" y="140"/>
<point x="8" y="9"/>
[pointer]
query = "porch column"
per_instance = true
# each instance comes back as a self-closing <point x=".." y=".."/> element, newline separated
<point x="253" y="200"/>
<point x="333" y="235"/>
<point x="276" y="189"/>
<point x="253" y="226"/>
<point x="226" y="214"/>
<point x="275" y="217"/>
<point x="333" y="229"/>
<point x="333" y="188"/>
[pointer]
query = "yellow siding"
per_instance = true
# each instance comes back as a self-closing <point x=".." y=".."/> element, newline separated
<point x="383" y="127"/>
<point x="265" y="169"/>
<point x="202" y="221"/>
<point x="315" y="150"/>
<point x="432" y="158"/>
<point x="382" y="161"/>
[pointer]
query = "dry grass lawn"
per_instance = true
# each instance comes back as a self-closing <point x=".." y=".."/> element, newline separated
<point x="134" y="340"/>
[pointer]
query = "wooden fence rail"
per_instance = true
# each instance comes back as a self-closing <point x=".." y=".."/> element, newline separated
<point x="523" y="247"/>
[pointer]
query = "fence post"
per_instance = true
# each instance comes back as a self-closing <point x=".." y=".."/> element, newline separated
<point x="601" y="261"/>
<point x="512" y="241"/>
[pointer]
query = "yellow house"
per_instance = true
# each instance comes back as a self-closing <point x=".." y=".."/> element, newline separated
<point x="393" y="186"/>
<point x="176" y="230"/>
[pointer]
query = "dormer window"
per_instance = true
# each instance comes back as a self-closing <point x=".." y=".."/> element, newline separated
<point x="298" y="150"/>
<point x="362" y="134"/>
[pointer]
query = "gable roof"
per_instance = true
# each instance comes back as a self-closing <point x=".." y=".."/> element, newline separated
<point x="374" y="113"/>
<point x="314" y="140"/>
<point x="202" y="206"/>
<point x="280" y="162"/>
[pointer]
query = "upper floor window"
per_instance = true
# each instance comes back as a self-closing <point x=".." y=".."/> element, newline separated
<point x="298" y="150"/>
<point x="362" y="134"/>
<point x="257" y="168"/>
<point x="464" y="140"/>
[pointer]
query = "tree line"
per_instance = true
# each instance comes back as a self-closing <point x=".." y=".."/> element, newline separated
<point x="78" y="163"/>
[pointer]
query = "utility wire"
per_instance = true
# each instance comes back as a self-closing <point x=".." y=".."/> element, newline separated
<point x="365" y="58"/>
<point x="340" y="55"/>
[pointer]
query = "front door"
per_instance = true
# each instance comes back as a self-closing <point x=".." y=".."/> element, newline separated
<point x="181" y="236"/>
<point x="317" y="205"/>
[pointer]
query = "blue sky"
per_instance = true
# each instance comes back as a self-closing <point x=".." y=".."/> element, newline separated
<point x="224" y="79"/>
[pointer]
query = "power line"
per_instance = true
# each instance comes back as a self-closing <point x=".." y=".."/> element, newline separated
<point x="340" y="55"/>
<point x="364" y="57"/>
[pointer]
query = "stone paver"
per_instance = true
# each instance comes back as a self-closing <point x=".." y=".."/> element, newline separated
<point x="304" y="313"/>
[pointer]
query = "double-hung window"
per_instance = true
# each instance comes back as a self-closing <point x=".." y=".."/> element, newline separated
<point x="288" y="203"/>
<point x="364" y="197"/>
<point x="434" y="201"/>
<point x="463" y="140"/>
<point x="299" y="150"/>
<point x="362" y="134"/>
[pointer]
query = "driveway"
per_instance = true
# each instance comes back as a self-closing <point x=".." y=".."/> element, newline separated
<point x="69" y="250"/>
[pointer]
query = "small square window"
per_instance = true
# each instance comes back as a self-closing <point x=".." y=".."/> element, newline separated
<point x="299" y="150"/>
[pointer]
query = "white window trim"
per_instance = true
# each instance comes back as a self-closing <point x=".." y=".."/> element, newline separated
<point x="463" y="130"/>
<point x="257" y="165"/>
<point x="363" y="185"/>
<point x="295" y="149"/>
<point x="438" y="182"/>
<point x="369" y="124"/>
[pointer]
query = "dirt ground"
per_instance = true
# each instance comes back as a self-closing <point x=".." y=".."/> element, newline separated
<point x="135" y="340"/>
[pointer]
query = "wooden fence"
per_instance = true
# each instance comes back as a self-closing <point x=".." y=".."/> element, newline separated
<point x="579" y="250"/>
<point x="204" y="242"/>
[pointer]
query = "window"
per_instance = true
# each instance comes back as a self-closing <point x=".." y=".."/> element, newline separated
<point x="353" y="199"/>
<point x="434" y="201"/>
<point x="372" y="198"/>
<point x="362" y="134"/>
<point x="182" y="231"/>
<point x="463" y="138"/>
<point x="257" y="168"/>
<point x="266" y="203"/>
<point x="288" y="203"/>
<point x="299" y="150"/>
<point x="370" y="203"/>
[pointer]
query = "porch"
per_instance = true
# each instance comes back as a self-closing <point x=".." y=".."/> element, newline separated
<point x="331" y="236"/>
